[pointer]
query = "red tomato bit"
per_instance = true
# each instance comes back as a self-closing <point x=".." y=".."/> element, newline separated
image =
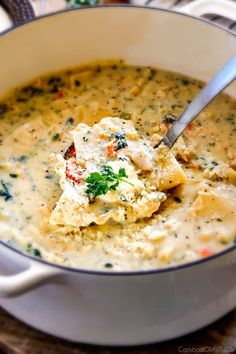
<point x="206" y="252"/>
<point x="111" y="150"/>
<point x="190" y="126"/>
<point x="74" y="172"/>
<point x="70" y="152"/>
<point x="59" y="94"/>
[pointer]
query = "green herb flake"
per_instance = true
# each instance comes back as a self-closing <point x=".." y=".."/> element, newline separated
<point x="54" y="80"/>
<point x="121" y="141"/>
<point x="21" y="99"/>
<point x="49" y="176"/>
<point x="152" y="74"/>
<point x="169" y="118"/>
<point x="125" y="115"/>
<point x="55" y="137"/>
<point x="32" y="91"/>
<point x="177" y="200"/>
<point x="185" y="82"/>
<point x="33" y="251"/>
<point x="70" y="122"/>
<point x="123" y="198"/>
<point x="78" y="3"/>
<point x="5" y="191"/>
<point x="23" y="158"/>
<point x="108" y="265"/>
<point x="54" y="89"/>
<point x="3" y="108"/>
<point x="13" y="175"/>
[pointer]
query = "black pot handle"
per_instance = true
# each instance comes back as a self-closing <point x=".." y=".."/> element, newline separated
<point x="20" y="11"/>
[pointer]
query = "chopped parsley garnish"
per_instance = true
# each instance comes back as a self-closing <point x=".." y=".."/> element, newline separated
<point x="99" y="183"/>
<point x="5" y="191"/>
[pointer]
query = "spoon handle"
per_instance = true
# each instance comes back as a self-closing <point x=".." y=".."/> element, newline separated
<point x="222" y="79"/>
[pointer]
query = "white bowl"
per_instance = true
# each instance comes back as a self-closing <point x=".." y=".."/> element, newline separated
<point x="130" y="307"/>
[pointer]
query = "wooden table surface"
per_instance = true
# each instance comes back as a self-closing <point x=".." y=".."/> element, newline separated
<point x="18" y="338"/>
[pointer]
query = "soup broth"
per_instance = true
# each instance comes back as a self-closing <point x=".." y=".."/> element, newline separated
<point x="198" y="217"/>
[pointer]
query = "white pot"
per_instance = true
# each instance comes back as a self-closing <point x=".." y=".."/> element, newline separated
<point x="120" y="308"/>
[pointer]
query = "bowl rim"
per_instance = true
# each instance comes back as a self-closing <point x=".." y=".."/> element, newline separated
<point x="118" y="6"/>
<point x="129" y="272"/>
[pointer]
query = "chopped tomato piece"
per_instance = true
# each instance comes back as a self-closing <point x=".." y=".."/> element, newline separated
<point x="70" y="152"/>
<point x="205" y="252"/>
<point x="74" y="172"/>
<point x="190" y="127"/>
<point x="111" y="150"/>
<point x="59" y="94"/>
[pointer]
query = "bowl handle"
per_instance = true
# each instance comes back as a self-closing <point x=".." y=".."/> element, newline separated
<point x="20" y="11"/>
<point x="226" y="8"/>
<point x="34" y="276"/>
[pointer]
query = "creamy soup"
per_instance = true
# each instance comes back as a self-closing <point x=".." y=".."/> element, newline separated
<point x="115" y="204"/>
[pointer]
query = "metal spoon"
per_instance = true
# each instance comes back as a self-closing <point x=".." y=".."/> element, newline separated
<point x="221" y="80"/>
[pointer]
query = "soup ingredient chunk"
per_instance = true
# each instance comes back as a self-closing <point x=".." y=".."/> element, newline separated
<point x="210" y="208"/>
<point x="112" y="174"/>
